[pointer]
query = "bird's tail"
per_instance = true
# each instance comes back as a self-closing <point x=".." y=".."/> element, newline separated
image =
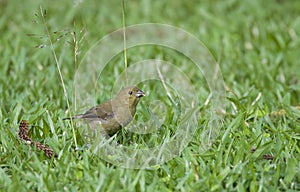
<point x="74" y="117"/>
<point x="67" y="118"/>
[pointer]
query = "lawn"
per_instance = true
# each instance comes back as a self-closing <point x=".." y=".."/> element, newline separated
<point x="234" y="126"/>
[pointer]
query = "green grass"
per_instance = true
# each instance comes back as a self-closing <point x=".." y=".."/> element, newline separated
<point x="257" y="46"/>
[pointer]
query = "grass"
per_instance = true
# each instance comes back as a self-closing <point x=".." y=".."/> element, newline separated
<point x="256" y="44"/>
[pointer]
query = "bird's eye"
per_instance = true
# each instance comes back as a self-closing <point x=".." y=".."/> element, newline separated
<point x="130" y="92"/>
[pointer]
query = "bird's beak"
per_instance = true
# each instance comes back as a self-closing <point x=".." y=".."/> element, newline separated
<point x="140" y="93"/>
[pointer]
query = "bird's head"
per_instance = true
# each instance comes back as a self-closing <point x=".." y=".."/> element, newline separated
<point x="130" y="95"/>
<point x="126" y="101"/>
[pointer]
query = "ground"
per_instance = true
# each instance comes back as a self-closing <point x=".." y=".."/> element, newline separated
<point x="256" y="145"/>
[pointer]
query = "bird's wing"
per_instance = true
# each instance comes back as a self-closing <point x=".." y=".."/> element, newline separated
<point x="100" y="112"/>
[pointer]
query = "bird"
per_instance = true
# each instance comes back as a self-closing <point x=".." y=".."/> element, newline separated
<point x="113" y="114"/>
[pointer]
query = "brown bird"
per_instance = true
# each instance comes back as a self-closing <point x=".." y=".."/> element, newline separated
<point x="116" y="113"/>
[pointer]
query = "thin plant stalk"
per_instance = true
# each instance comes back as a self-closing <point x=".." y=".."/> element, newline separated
<point x="59" y="71"/>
